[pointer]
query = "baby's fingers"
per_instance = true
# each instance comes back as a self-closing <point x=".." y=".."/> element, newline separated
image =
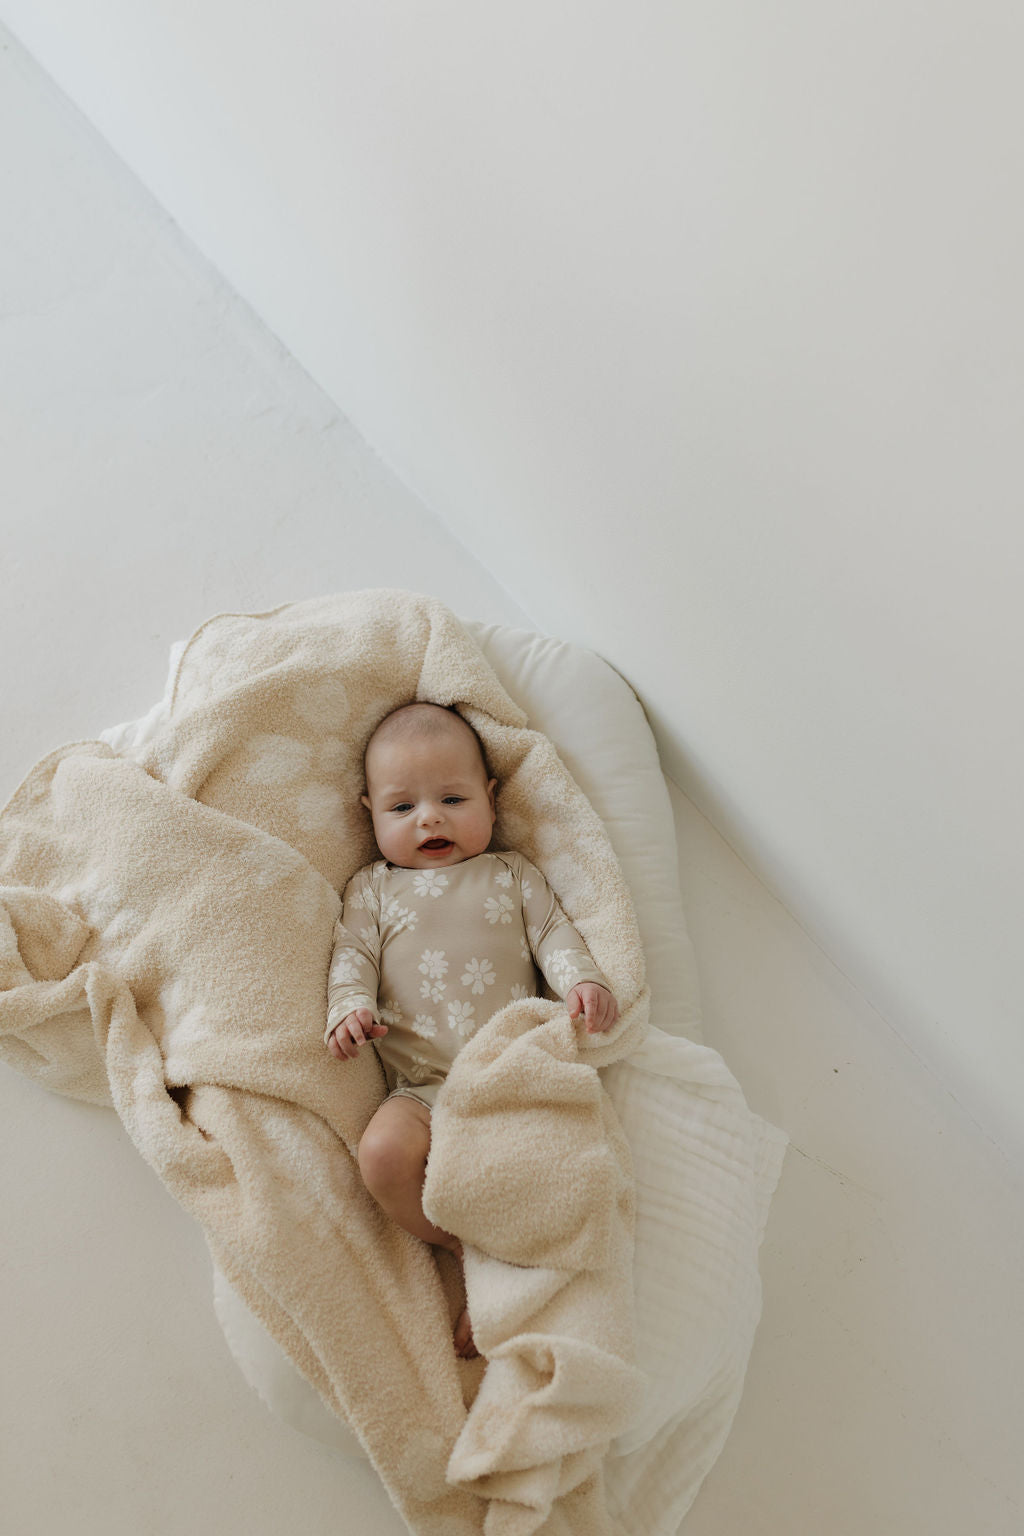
<point x="357" y="1022"/>
<point x="364" y="1027"/>
<point x="606" y="1011"/>
<point x="353" y="1031"/>
<point x="341" y="1045"/>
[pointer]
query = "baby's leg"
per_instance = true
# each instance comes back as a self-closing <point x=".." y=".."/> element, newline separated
<point x="393" y="1162"/>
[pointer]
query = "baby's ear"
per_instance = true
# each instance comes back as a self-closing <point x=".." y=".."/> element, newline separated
<point x="366" y="801"/>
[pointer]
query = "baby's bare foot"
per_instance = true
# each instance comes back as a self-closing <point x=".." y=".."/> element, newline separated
<point x="464" y="1346"/>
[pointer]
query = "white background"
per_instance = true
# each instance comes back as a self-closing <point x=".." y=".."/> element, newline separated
<point x="164" y="458"/>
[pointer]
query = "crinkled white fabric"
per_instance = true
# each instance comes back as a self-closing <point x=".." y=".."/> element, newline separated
<point x="705" y="1166"/>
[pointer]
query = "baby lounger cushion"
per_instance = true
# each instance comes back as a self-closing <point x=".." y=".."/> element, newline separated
<point x="167" y="897"/>
<point x="705" y="1166"/>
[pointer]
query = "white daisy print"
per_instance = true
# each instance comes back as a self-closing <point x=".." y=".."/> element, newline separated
<point x="565" y="964"/>
<point x="527" y="891"/>
<point x="504" y="877"/>
<point x="424" y="1024"/>
<point x="525" y="953"/>
<point x="357" y="897"/>
<point x="345" y="968"/>
<point x="420" y="1070"/>
<point x="478" y="975"/>
<point x="392" y="911"/>
<point x="499" y="909"/>
<point x="433" y="963"/>
<point x="434" y="990"/>
<point x="520" y="990"/>
<point x="461" y="1016"/>
<point x="430" y="882"/>
<point x="390" y="1013"/>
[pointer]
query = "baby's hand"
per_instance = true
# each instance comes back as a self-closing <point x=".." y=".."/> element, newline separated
<point x="598" y="1007"/>
<point x="354" y="1030"/>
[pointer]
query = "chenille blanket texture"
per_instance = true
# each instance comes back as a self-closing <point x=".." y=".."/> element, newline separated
<point x="165" y="932"/>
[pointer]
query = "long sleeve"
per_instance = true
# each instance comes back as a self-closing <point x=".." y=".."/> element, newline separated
<point x="558" y="949"/>
<point x="354" y="976"/>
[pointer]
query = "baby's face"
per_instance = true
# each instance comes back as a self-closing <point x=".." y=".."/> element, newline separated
<point x="431" y="801"/>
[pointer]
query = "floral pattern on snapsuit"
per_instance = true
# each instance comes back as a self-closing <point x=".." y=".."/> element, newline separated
<point x="434" y="953"/>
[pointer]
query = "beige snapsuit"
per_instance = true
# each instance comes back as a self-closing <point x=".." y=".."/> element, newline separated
<point x="433" y="953"/>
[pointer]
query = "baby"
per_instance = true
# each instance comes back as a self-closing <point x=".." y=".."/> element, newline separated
<point x="434" y="938"/>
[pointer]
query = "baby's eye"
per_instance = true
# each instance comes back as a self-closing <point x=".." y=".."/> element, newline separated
<point x="405" y="806"/>
<point x="453" y="799"/>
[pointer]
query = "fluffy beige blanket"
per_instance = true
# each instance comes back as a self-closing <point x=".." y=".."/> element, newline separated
<point x="165" y="931"/>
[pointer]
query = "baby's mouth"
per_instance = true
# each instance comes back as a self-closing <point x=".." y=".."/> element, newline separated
<point x="435" y="845"/>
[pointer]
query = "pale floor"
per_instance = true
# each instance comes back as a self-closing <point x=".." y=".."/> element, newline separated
<point x="164" y="460"/>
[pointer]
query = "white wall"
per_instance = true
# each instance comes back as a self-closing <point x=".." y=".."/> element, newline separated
<point x="700" y="326"/>
<point x="161" y="460"/>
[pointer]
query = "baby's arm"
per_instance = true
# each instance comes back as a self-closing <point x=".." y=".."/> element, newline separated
<point x="562" y="956"/>
<point x="355" y="971"/>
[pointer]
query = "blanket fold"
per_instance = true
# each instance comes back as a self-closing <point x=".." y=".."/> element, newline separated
<point x="165" y="932"/>
<point x="521" y="1113"/>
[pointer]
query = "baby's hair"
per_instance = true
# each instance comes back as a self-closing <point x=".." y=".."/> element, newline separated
<point x="424" y="719"/>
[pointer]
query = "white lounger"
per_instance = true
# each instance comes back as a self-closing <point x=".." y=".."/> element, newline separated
<point x="706" y="1167"/>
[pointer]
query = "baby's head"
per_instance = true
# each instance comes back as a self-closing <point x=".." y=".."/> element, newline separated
<point x="428" y="791"/>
